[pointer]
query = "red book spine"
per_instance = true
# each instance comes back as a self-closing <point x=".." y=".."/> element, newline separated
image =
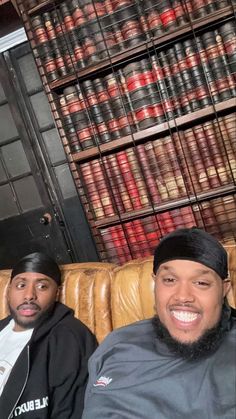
<point x="198" y="163"/>
<point x="205" y="217"/>
<point x="127" y="100"/>
<point x="187" y="168"/>
<point x="118" y="241"/>
<point x="141" y="238"/>
<point x="159" y="79"/>
<point x="187" y="215"/>
<point x="129" y="180"/>
<point x="183" y="217"/>
<point x="172" y="88"/>
<point x="214" y="141"/>
<point x="171" y="152"/>
<point x="94" y="198"/>
<point x="156" y="171"/>
<point x="149" y="178"/>
<point x="166" y="222"/>
<point x="124" y="242"/>
<point x="121" y="186"/>
<point x="138" y="177"/>
<point x="134" y="243"/>
<point x="230" y="125"/>
<point x="206" y="154"/>
<point x="109" y="245"/>
<point x="101" y="184"/>
<point x="229" y="203"/>
<point x="219" y="72"/>
<point x="114" y="187"/>
<point x="223" y="54"/>
<point x="166" y="170"/>
<point x="211" y="82"/>
<point x="152" y="232"/>
<point x="221" y="214"/>
<point x="188" y="8"/>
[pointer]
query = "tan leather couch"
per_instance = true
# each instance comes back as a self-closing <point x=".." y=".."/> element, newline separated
<point x="105" y="296"/>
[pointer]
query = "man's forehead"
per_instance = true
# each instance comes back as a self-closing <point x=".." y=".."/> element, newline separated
<point x="33" y="276"/>
<point x="193" y="267"/>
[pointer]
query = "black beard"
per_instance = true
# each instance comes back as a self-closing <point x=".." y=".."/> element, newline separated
<point x="35" y="322"/>
<point x="205" y="345"/>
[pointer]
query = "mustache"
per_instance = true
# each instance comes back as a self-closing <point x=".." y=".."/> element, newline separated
<point x="28" y="306"/>
<point x="182" y="305"/>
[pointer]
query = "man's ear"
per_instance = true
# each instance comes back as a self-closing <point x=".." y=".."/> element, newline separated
<point x="7" y="290"/>
<point x="226" y="287"/>
<point x="58" y="294"/>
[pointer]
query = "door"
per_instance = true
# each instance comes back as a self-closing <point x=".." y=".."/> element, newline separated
<point x="30" y="217"/>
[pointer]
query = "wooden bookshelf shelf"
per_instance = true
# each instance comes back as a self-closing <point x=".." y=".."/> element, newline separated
<point x="138" y="137"/>
<point x="179" y="203"/>
<point x="149" y="45"/>
<point x="44" y="6"/>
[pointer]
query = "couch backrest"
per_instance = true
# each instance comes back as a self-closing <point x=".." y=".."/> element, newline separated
<point x="105" y="296"/>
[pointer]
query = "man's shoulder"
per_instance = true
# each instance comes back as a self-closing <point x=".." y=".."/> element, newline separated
<point x="133" y="330"/>
<point x="69" y="325"/>
<point x="137" y="334"/>
<point x="4" y="322"/>
<point x="232" y="331"/>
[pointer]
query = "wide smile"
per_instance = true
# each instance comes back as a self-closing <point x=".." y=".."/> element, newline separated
<point x="185" y="318"/>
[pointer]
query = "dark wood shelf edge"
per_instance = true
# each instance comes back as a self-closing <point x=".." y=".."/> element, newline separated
<point x="167" y="206"/>
<point x="42" y="7"/>
<point x="132" y="52"/>
<point x="137" y="137"/>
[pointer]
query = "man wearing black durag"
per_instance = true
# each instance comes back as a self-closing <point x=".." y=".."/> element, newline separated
<point x="44" y="349"/>
<point x="182" y="363"/>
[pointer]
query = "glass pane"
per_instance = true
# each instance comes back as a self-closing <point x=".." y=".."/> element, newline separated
<point x="53" y="145"/>
<point x="2" y="94"/>
<point x="65" y="181"/>
<point x="29" y="72"/>
<point x="8" y="206"/>
<point x="27" y="194"/>
<point x="15" y="159"/>
<point x="2" y="173"/>
<point x="41" y="109"/>
<point x="7" y="125"/>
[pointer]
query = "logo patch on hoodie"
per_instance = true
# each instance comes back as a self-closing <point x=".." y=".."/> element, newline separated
<point x="30" y="406"/>
<point x="102" y="381"/>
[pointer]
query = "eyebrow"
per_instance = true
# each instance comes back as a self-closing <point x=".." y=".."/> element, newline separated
<point x="195" y="272"/>
<point x="22" y="278"/>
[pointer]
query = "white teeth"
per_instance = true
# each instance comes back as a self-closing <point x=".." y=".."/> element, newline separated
<point x="184" y="316"/>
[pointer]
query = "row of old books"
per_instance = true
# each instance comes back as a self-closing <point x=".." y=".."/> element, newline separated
<point x="178" y="81"/>
<point x="180" y="165"/>
<point x="78" y="34"/>
<point x="138" y="238"/>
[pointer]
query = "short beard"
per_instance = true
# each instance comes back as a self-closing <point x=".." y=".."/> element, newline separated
<point x="205" y="345"/>
<point x="35" y="322"/>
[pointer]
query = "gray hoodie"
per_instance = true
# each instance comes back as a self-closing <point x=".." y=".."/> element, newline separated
<point x="134" y="376"/>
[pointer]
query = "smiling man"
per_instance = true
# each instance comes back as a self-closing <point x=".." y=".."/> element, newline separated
<point x="182" y="363"/>
<point x="43" y="349"/>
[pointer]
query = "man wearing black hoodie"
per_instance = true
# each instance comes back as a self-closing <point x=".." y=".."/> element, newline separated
<point x="44" y="349"/>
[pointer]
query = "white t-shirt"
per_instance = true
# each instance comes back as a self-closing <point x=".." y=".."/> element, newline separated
<point x="11" y="345"/>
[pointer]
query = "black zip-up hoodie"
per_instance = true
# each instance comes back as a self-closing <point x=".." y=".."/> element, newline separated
<point x="49" y="377"/>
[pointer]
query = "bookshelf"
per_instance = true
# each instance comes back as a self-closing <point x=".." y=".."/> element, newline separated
<point x="144" y="97"/>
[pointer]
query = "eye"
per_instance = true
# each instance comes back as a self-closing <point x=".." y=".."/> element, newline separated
<point x="20" y="285"/>
<point x="42" y="286"/>
<point x="202" y="283"/>
<point x="168" y="280"/>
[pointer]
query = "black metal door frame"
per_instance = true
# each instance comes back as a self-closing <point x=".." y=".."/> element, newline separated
<point x="24" y="124"/>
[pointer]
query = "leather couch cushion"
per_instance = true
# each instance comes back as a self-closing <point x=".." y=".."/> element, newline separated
<point x="105" y="296"/>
